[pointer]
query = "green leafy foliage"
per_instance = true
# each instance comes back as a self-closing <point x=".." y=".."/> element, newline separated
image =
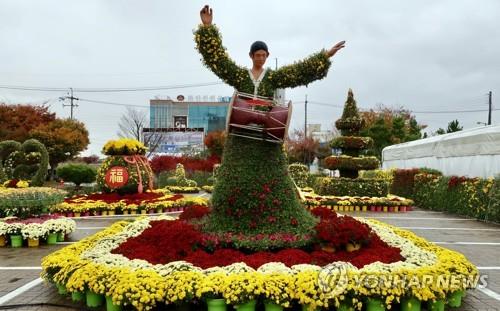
<point x="299" y="173"/>
<point x="254" y="180"/>
<point x="63" y="138"/>
<point x="474" y="197"/>
<point x="77" y="173"/>
<point x="27" y="202"/>
<point x="351" y="187"/>
<point x="27" y="161"/>
<point x="349" y="163"/>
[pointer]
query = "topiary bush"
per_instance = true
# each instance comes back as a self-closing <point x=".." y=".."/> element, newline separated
<point x="351" y="187"/>
<point x="77" y="173"/>
<point x="27" y="161"/>
<point x="179" y="178"/>
<point x="349" y="163"/>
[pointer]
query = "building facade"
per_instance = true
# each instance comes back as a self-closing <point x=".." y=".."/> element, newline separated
<point x="209" y="115"/>
<point x="180" y="126"/>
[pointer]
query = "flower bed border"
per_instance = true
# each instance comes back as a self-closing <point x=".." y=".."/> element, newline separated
<point x="391" y="203"/>
<point x="82" y="266"/>
<point x="98" y="207"/>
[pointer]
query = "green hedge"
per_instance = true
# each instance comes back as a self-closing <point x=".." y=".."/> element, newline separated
<point x="477" y="198"/>
<point x="351" y="187"/>
<point x="77" y="173"/>
<point x="351" y="163"/>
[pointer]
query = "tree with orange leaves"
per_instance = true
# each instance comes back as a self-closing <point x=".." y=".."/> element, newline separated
<point x="16" y="121"/>
<point x="64" y="139"/>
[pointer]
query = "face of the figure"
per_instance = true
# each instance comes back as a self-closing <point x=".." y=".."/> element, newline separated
<point x="259" y="58"/>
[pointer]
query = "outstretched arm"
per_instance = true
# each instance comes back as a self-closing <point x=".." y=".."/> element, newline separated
<point x="306" y="71"/>
<point x="215" y="57"/>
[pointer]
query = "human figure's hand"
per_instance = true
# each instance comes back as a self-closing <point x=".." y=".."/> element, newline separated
<point x="206" y="15"/>
<point x="335" y="48"/>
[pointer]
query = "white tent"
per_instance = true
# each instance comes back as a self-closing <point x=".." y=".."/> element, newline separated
<point x="473" y="153"/>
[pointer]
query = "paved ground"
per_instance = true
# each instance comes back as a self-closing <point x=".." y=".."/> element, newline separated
<point x="480" y="242"/>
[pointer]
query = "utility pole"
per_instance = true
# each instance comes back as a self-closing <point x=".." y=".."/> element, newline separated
<point x="305" y="119"/>
<point x="71" y="98"/>
<point x="306" y="152"/>
<point x="489" y="108"/>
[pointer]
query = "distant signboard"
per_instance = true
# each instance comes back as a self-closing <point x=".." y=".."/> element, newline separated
<point x="173" y="140"/>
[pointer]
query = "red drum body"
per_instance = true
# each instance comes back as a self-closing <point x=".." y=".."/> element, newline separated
<point x="258" y="118"/>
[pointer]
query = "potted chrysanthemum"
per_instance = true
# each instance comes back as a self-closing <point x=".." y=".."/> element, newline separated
<point x="33" y="232"/>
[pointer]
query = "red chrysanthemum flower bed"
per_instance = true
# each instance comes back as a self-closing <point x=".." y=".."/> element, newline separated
<point x="167" y="241"/>
<point x="194" y="212"/>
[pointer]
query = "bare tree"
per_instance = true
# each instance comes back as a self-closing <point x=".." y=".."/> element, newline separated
<point x="131" y="125"/>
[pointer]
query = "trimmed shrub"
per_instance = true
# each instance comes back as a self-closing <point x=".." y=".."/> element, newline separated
<point x="473" y="197"/>
<point x="179" y="178"/>
<point x="77" y="173"/>
<point x="351" y="187"/>
<point x="352" y="142"/>
<point x="403" y="182"/>
<point x="387" y="175"/>
<point x="29" y="161"/>
<point x="299" y="173"/>
<point x="351" y="163"/>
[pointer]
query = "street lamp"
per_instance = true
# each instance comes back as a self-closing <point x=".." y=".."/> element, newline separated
<point x="483" y="123"/>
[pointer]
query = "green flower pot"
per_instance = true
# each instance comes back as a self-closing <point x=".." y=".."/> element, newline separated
<point x="110" y="306"/>
<point x="77" y="296"/>
<point x="374" y="304"/>
<point x="345" y="306"/>
<point x="437" y="305"/>
<point x="52" y="239"/>
<point x="410" y="304"/>
<point x="93" y="299"/>
<point x="16" y="241"/>
<point x="270" y="306"/>
<point x="60" y="237"/>
<point x="248" y="306"/>
<point x="455" y="298"/>
<point x="308" y="308"/>
<point x="216" y="304"/>
<point x="61" y="289"/>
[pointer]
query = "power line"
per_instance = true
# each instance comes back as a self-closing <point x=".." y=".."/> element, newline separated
<point x="112" y="103"/>
<point x="109" y="90"/>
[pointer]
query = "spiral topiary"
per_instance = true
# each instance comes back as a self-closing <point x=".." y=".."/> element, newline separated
<point x="349" y="125"/>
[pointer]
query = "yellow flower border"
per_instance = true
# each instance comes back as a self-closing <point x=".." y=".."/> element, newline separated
<point x="98" y="205"/>
<point x="144" y="288"/>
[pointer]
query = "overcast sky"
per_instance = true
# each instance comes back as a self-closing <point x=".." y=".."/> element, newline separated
<point x="425" y="55"/>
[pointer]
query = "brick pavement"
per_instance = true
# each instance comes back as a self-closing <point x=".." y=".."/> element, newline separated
<point x="481" y="255"/>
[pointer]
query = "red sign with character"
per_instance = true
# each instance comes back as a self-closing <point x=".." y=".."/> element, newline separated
<point x="116" y="177"/>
